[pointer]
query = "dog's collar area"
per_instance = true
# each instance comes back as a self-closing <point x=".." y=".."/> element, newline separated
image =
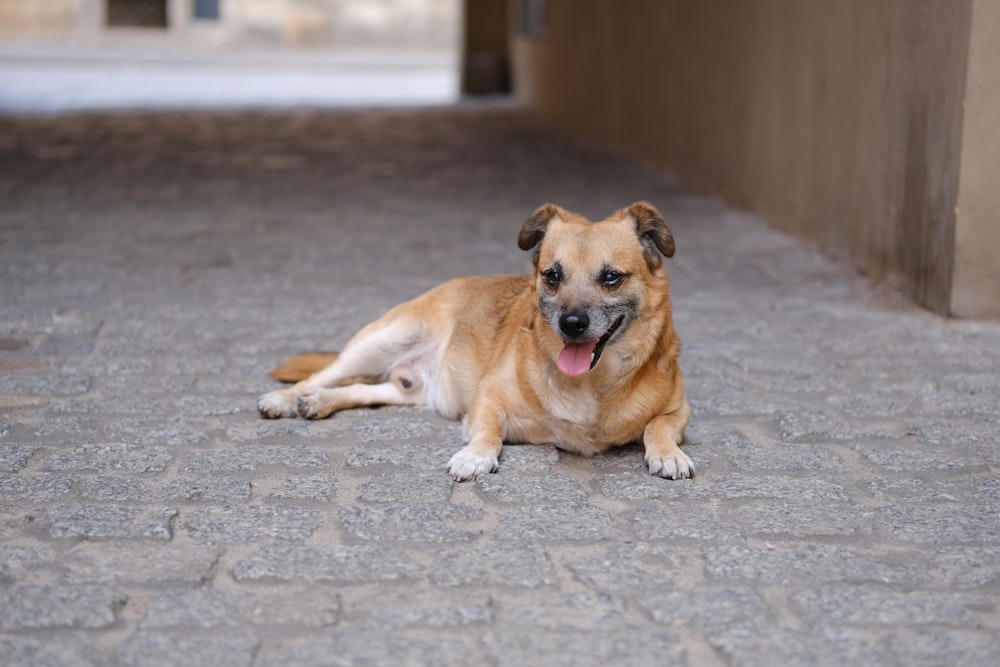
<point x="603" y="340"/>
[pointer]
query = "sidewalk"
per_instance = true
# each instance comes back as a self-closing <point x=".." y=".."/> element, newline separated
<point x="53" y="78"/>
<point x="155" y="266"/>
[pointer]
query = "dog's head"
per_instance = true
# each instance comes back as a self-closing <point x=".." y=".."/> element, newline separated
<point x="595" y="279"/>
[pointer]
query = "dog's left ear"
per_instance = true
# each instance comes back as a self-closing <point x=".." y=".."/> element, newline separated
<point x="653" y="232"/>
<point x="533" y="229"/>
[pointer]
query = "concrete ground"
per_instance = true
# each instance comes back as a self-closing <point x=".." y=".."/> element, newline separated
<point x="155" y="266"/>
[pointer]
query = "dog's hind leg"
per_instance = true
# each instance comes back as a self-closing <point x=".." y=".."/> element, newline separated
<point x="321" y="403"/>
<point x="373" y="352"/>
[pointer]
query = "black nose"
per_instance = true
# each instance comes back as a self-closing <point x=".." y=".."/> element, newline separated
<point x="574" y="324"/>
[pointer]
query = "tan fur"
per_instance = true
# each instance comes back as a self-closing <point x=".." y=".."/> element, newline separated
<point x="302" y="366"/>
<point x="485" y="349"/>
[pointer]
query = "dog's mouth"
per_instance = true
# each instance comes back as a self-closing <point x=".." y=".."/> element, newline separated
<point x="576" y="359"/>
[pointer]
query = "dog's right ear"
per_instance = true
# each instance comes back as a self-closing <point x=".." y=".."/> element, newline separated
<point x="533" y="229"/>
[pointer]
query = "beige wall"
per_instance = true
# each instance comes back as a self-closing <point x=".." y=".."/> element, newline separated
<point x="838" y="121"/>
<point x="976" y="290"/>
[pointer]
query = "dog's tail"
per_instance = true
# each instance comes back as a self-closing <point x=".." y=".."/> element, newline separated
<point x="302" y="366"/>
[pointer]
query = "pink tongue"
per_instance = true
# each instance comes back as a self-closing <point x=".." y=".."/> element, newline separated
<point x="574" y="360"/>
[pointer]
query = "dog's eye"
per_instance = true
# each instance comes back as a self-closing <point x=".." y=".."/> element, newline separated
<point x="611" y="278"/>
<point x="553" y="276"/>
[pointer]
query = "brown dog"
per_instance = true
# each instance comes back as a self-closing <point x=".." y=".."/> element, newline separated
<point x="582" y="354"/>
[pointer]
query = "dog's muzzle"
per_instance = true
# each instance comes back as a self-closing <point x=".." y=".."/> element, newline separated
<point x="578" y="358"/>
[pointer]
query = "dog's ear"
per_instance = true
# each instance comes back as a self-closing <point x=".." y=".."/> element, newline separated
<point x="533" y="229"/>
<point x="653" y="232"/>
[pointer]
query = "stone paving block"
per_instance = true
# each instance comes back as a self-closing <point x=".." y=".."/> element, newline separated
<point x="707" y="609"/>
<point x="525" y="458"/>
<point x="173" y="431"/>
<point x="129" y="458"/>
<point x="141" y="563"/>
<point x="805" y="564"/>
<point x="115" y="488"/>
<point x="384" y="426"/>
<point x="811" y="425"/>
<point x="246" y="523"/>
<point x="109" y="521"/>
<point x="587" y="611"/>
<point x="638" y="566"/>
<point x="252" y="457"/>
<point x="813" y="457"/>
<point x="640" y="485"/>
<point x="16" y="561"/>
<point x="199" y="607"/>
<point x="152" y="648"/>
<point x="563" y="521"/>
<point x="864" y="606"/>
<point x="373" y="647"/>
<point x="407" y="488"/>
<point x="653" y="647"/>
<point x="56" y="649"/>
<point x="252" y="428"/>
<point x="302" y="487"/>
<point x="506" y="487"/>
<point x="419" y="454"/>
<point x="777" y="487"/>
<point x="502" y="564"/>
<point x="69" y="429"/>
<point x="765" y="646"/>
<point x="928" y="647"/>
<point x="441" y="522"/>
<point x="41" y="607"/>
<point x="967" y="567"/>
<point x="112" y="365"/>
<point x="16" y="489"/>
<point x="942" y="524"/>
<point x="44" y="384"/>
<point x="341" y="564"/>
<point x="14" y="457"/>
<point x="215" y="406"/>
<point x="66" y="346"/>
<point x="680" y="521"/>
<point x="801" y="518"/>
<point x="434" y="609"/>
<point x="919" y="457"/>
<point x="205" y="488"/>
<point x="966" y="431"/>
<point x="935" y="487"/>
<point x="313" y="607"/>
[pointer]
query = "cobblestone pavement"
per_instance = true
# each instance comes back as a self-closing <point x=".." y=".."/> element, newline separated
<point x="154" y="267"/>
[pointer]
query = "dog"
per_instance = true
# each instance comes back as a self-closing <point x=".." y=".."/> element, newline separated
<point x="580" y="354"/>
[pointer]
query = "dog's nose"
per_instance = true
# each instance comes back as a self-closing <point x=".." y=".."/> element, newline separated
<point x="574" y="324"/>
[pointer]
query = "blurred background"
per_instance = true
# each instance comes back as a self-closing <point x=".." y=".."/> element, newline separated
<point x="76" y="54"/>
<point x="867" y="127"/>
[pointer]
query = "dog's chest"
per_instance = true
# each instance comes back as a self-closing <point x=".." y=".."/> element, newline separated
<point x="570" y="421"/>
<point x="578" y="408"/>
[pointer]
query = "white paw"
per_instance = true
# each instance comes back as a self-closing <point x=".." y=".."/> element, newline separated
<point x="677" y="465"/>
<point x="310" y="404"/>
<point x="277" y="404"/>
<point x="466" y="465"/>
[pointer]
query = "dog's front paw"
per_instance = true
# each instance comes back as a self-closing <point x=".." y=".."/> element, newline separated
<point x="676" y="465"/>
<point x="277" y="404"/>
<point x="311" y="405"/>
<point x="467" y="464"/>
